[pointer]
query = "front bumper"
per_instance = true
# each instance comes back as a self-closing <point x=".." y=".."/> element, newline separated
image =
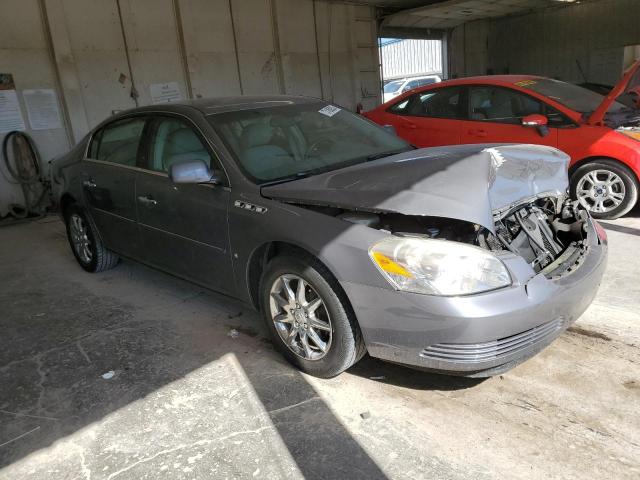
<point x="477" y="335"/>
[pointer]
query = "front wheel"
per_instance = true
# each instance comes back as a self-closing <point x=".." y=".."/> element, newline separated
<point x="309" y="316"/>
<point x="607" y="188"/>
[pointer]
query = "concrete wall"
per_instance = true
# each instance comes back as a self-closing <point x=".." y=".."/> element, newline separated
<point x="208" y="47"/>
<point x="549" y="42"/>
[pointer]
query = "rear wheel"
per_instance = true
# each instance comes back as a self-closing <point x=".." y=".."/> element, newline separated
<point x="607" y="188"/>
<point x="85" y="244"/>
<point x="309" y="316"/>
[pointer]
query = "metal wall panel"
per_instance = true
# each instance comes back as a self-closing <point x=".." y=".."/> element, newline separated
<point x="24" y="54"/>
<point x="209" y="47"/>
<point x="552" y="43"/>
<point x="209" y="43"/>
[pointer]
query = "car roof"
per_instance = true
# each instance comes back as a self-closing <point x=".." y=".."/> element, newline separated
<point x="503" y="80"/>
<point x="227" y="104"/>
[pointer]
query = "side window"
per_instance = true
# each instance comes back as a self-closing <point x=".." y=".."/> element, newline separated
<point x="412" y="84"/>
<point x="400" y="108"/>
<point x="175" y="141"/>
<point x="440" y="103"/>
<point x="556" y="118"/>
<point x="118" y="142"/>
<point x="426" y="81"/>
<point x="496" y="104"/>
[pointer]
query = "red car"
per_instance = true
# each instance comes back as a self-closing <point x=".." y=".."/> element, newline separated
<point x="601" y="135"/>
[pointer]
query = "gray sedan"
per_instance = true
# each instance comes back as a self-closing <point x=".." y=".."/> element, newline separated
<point x="466" y="259"/>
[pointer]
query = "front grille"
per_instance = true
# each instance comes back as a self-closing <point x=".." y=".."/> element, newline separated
<point x="496" y="349"/>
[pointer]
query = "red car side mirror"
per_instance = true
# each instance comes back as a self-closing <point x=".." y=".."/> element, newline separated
<point x="537" y="121"/>
<point x="534" y="120"/>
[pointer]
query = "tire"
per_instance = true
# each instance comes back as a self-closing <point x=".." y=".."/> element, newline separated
<point x="95" y="257"/>
<point x="342" y="336"/>
<point x="601" y="168"/>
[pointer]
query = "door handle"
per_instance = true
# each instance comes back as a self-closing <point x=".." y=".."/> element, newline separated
<point x="478" y="133"/>
<point x="89" y="183"/>
<point x="147" y="201"/>
<point x="410" y="124"/>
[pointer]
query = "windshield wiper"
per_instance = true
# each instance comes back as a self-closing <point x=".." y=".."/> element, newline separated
<point x="376" y="156"/>
<point x="290" y="178"/>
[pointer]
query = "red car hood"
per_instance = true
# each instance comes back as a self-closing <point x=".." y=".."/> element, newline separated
<point x="629" y="81"/>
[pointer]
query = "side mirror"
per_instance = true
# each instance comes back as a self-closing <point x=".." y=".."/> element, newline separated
<point x="390" y="129"/>
<point x="537" y="121"/>
<point x="192" y="171"/>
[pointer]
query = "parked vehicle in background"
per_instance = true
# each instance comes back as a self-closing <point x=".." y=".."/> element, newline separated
<point x="397" y="87"/>
<point x="600" y="134"/>
<point x="465" y="260"/>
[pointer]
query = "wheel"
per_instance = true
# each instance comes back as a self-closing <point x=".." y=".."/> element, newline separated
<point x="86" y="244"/>
<point x="309" y="316"/>
<point x="607" y="188"/>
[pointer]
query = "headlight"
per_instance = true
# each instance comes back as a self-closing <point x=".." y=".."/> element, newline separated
<point x="438" y="267"/>
<point x="630" y="132"/>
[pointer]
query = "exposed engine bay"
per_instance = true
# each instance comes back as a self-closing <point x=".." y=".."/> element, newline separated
<point x="547" y="232"/>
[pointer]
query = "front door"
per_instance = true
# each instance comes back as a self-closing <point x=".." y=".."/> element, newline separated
<point x="108" y="181"/>
<point x="431" y="118"/>
<point x="183" y="227"/>
<point x="495" y="116"/>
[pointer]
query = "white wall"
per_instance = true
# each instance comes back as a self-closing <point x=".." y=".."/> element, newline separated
<point x="209" y="47"/>
<point x="549" y="42"/>
<point x="411" y="57"/>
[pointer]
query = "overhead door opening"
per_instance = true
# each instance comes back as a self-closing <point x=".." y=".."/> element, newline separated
<point x="408" y="63"/>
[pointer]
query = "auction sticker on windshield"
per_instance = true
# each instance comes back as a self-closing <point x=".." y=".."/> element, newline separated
<point x="329" y="110"/>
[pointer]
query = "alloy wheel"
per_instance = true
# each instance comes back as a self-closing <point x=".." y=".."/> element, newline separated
<point x="300" y="317"/>
<point x="80" y="239"/>
<point x="600" y="191"/>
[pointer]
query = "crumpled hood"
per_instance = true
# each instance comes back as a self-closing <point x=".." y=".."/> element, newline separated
<point x="466" y="182"/>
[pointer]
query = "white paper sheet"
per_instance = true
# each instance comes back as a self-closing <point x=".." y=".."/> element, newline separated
<point x="165" y="92"/>
<point x="42" y="109"/>
<point x="10" y="113"/>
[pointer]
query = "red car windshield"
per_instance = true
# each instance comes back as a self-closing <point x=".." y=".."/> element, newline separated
<point x="571" y="96"/>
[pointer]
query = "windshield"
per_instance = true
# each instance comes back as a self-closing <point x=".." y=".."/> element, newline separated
<point x="572" y="96"/>
<point x="392" y="87"/>
<point x="295" y="140"/>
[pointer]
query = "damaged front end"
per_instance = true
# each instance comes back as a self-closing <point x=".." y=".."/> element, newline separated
<point x="548" y="232"/>
<point x="507" y="198"/>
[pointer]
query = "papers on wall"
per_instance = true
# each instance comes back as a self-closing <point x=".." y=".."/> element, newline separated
<point x="165" y="92"/>
<point x="42" y="109"/>
<point x="10" y="113"/>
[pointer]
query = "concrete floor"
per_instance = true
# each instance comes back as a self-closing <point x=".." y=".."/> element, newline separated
<point x="187" y="400"/>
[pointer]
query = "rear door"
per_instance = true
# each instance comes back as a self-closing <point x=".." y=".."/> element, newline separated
<point x="108" y="181"/>
<point x="183" y="227"/>
<point x="430" y="118"/>
<point x="495" y="116"/>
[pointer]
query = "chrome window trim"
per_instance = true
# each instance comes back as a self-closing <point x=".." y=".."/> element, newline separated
<point x="150" y="113"/>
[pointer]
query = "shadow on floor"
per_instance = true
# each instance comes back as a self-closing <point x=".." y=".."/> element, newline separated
<point x="620" y="228"/>
<point x="63" y="328"/>
<point x="398" y="375"/>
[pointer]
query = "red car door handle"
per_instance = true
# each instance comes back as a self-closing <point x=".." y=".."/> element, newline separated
<point x="409" y="124"/>
<point x="478" y="132"/>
